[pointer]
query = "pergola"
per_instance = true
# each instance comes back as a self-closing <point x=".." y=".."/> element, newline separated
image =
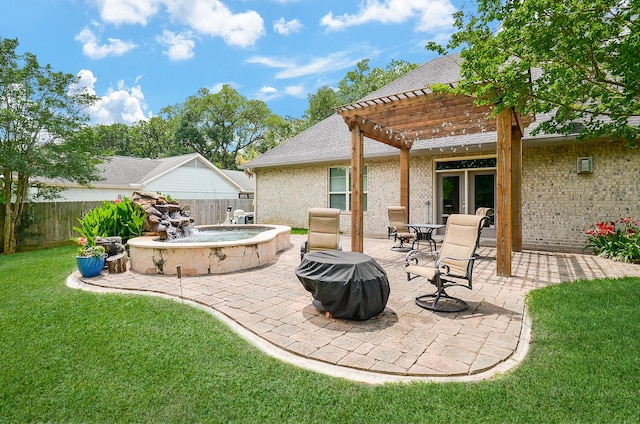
<point x="401" y="119"/>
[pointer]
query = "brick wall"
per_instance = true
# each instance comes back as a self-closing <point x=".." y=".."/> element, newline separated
<point x="558" y="204"/>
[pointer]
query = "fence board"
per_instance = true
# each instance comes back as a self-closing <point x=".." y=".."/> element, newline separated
<point x="53" y="222"/>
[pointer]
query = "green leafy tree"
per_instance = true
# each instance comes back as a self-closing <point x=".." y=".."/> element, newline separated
<point x="321" y="104"/>
<point x="574" y="59"/>
<point x="357" y="84"/>
<point x="41" y="113"/>
<point x="144" y="139"/>
<point x="221" y="126"/>
<point x="112" y="139"/>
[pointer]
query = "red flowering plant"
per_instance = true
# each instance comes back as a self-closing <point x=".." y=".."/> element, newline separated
<point x="618" y="240"/>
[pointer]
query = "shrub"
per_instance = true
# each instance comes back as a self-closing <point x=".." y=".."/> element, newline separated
<point x="118" y="218"/>
<point x="618" y="240"/>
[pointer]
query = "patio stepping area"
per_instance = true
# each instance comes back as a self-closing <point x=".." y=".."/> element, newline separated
<point x="270" y="308"/>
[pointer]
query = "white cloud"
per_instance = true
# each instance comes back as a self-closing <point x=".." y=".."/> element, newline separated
<point x="212" y="17"/>
<point x="179" y="46"/>
<point x="283" y="27"/>
<point x="333" y="62"/>
<point x="296" y="91"/>
<point x="270" y="62"/>
<point x="207" y="17"/>
<point x="267" y="93"/>
<point x="123" y="105"/>
<point x="86" y="82"/>
<point x="92" y="48"/>
<point x="218" y="86"/>
<point x="128" y="11"/>
<point x="268" y="90"/>
<point x="433" y="15"/>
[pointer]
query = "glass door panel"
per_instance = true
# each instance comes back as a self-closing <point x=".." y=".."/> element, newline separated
<point x="450" y="195"/>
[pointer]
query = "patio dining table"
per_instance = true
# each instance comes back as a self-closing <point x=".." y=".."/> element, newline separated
<point x="424" y="233"/>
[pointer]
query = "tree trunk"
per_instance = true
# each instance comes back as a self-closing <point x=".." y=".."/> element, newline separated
<point x="9" y="231"/>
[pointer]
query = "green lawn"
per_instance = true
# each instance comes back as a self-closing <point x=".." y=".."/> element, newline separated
<point x="70" y="356"/>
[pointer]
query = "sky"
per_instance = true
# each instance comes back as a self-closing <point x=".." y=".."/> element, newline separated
<point x="140" y="56"/>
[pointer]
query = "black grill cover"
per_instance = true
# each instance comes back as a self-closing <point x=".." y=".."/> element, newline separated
<point x="349" y="285"/>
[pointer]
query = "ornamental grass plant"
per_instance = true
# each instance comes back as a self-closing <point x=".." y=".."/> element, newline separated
<point x="70" y="356"/>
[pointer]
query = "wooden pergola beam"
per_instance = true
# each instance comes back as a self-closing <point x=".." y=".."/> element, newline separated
<point x="379" y="133"/>
<point x="423" y="117"/>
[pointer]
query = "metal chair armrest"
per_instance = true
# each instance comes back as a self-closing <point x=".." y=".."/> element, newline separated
<point x="445" y="267"/>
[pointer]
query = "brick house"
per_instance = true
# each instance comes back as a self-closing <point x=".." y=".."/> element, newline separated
<point x="567" y="185"/>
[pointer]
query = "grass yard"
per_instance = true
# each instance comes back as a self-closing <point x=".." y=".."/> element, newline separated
<point x="69" y="356"/>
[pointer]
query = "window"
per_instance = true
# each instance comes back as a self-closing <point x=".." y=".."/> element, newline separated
<point x="466" y="163"/>
<point x="340" y="188"/>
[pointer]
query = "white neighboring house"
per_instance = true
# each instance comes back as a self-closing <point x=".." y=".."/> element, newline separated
<point x="182" y="177"/>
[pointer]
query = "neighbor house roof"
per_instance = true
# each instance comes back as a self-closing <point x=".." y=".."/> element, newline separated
<point x="132" y="172"/>
<point x="330" y="139"/>
<point x="243" y="179"/>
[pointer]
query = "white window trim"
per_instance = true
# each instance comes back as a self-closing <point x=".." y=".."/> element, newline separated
<point x="346" y="193"/>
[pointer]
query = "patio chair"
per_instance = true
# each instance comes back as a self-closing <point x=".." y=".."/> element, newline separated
<point x="453" y="266"/>
<point x="486" y="212"/>
<point x="324" y="231"/>
<point x="397" y="228"/>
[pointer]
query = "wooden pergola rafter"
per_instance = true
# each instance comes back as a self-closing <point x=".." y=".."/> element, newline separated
<point x="400" y="119"/>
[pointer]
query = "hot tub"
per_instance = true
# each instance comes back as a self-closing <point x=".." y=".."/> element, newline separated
<point x="150" y="255"/>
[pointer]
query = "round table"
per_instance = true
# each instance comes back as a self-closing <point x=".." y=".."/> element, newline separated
<point x="348" y="285"/>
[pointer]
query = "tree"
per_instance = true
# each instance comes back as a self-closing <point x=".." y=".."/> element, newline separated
<point x="321" y="105"/>
<point x="41" y="114"/>
<point x="113" y="139"/>
<point x="144" y="139"/>
<point x="221" y="126"/>
<point x="357" y="84"/>
<point x="574" y="59"/>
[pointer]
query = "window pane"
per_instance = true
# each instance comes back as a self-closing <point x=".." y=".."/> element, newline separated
<point x="338" y="179"/>
<point x="338" y="201"/>
<point x="466" y="164"/>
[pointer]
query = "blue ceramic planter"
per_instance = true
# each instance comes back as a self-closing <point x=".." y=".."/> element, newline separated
<point x="90" y="266"/>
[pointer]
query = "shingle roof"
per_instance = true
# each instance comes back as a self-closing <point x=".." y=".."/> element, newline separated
<point x="330" y="140"/>
<point x="443" y="70"/>
<point x="244" y="180"/>
<point x="124" y="171"/>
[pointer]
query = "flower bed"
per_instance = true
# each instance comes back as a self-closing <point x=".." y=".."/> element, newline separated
<point x="618" y="240"/>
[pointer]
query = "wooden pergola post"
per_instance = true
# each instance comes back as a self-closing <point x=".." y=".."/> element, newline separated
<point x="516" y="185"/>
<point x="509" y="202"/>
<point x="404" y="179"/>
<point x="357" y="182"/>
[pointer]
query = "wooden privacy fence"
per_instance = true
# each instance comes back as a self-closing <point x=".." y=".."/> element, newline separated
<point x="52" y="223"/>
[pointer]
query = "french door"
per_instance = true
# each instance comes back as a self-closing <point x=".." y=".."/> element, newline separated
<point x="464" y="191"/>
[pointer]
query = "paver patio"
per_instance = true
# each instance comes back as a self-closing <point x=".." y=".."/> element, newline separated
<point x="270" y="308"/>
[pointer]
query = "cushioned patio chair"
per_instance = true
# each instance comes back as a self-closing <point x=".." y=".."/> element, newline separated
<point x="397" y="228"/>
<point x="324" y="231"/>
<point x="453" y="266"/>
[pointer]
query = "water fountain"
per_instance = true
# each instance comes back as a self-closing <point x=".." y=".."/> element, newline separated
<point x="165" y="246"/>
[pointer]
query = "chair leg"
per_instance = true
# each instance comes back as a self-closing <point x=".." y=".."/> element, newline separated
<point x="440" y="301"/>
<point x="401" y="247"/>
